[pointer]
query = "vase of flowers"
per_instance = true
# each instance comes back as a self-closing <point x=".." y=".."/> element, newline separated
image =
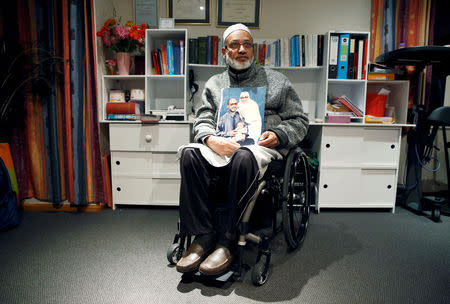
<point x="124" y="40"/>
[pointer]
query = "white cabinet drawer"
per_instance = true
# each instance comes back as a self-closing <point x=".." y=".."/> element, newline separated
<point x="339" y="187"/>
<point x="131" y="190"/>
<point x="380" y="146"/>
<point x="165" y="191"/>
<point x="158" y="137"/>
<point x="147" y="164"/>
<point x="341" y="145"/>
<point x="134" y="163"/>
<point x="378" y="188"/>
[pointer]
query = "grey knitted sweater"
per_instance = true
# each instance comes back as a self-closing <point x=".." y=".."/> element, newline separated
<point x="283" y="112"/>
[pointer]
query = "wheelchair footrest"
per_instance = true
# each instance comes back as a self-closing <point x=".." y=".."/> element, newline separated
<point x="224" y="277"/>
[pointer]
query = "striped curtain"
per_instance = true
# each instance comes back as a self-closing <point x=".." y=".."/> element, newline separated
<point x="400" y="23"/>
<point x="397" y="24"/>
<point x="57" y="153"/>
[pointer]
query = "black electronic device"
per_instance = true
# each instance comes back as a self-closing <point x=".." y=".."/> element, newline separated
<point x="192" y="85"/>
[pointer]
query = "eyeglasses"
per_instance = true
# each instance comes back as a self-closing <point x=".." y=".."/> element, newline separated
<point x="235" y="45"/>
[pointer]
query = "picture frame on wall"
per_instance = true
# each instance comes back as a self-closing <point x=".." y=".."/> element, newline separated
<point x="190" y="12"/>
<point x="146" y="11"/>
<point x="230" y="12"/>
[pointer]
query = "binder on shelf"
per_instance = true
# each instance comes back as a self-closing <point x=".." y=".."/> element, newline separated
<point x="343" y="56"/>
<point x="359" y="70"/>
<point x="333" y="61"/>
<point x="351" y="58"/>
<point x="364" y="63"/>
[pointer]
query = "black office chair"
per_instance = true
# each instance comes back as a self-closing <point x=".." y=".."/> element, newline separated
<point x="440" y="117"/>
<point x="286" y="187"/>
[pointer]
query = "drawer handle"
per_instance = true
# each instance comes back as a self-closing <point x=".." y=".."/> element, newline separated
<point x="389" y="186"/>
<point x="118" y="189"/>
<point x="327" y="145"/>
<point x="325" y="186"/>
<point x="148" y="138"/>
<point x="117" y="162"/>
<point x="392" y="146"/>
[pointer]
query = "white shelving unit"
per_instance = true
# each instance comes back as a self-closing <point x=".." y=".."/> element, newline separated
<point x="359" y="161"/>
<point x="144" y="169"/>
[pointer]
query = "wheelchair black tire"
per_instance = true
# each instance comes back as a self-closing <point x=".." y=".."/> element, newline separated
<point x="259" y="273"/>
<point x="173" y="253"/>
<point x="296" y="200"/>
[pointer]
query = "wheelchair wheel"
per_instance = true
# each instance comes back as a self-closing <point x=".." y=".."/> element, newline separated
<point x="296" y="200"/>
<point x="174" y="253"/>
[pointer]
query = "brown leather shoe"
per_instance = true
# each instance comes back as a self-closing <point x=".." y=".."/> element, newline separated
<point x="192" y="258"/>
<point x="217" y="262"/>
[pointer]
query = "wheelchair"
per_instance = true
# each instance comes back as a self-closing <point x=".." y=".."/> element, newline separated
<point x="287" y="190"/>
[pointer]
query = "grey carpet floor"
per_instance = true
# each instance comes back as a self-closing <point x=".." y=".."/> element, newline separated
<point x="348" y="256"/>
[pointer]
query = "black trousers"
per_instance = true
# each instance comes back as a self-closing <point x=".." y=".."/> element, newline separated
<point x="204" y="187"/>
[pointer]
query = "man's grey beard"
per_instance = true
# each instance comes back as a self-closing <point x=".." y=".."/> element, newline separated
<point x="236" y="64"/>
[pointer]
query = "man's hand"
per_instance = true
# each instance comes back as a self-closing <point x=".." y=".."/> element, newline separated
<point x="268" y="139"/>
<point x="232" y="133"/>
<point x="221" y="145"/>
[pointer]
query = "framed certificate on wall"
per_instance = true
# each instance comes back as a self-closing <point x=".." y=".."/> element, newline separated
<point x="238" y="11"/>
<point x="195" y="12"/>
<point x="146" y="11"/>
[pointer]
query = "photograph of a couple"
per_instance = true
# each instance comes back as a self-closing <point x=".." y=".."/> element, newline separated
<point x="241" y="114"/>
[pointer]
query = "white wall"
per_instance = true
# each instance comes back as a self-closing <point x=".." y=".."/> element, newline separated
<point x="279" y="18"/>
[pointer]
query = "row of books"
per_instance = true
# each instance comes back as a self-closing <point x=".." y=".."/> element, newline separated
<point x="169" y="58"/>
<point x="206" y="50"/>
<point x="300" y="50"/>
<point x="348" y="56"/>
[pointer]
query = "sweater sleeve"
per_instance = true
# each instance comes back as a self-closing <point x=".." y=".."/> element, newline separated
<point x="206" y="116"/>
<point x="294" y="123"/>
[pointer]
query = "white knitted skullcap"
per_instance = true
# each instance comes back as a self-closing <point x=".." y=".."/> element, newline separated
<point x="233" y="28"/>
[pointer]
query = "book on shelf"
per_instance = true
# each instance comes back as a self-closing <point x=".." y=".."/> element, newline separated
<point x="345" y="101"/>
<point x="381" y="76"/>
<point x="123" y="108"/>
<point x="193" y="50"/>
<point x="123" y="116"/>
<point x="170" y="58"/>
<point x="150" y="118"/>
<point x="202" y="46"/>
<point x="182" y="57"/>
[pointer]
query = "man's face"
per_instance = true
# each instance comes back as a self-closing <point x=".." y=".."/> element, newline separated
<point x="232" y="105"/>
<point x="238" y="50"/>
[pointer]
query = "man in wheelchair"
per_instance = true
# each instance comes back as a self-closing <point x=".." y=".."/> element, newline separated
<point x="285" y="125"/>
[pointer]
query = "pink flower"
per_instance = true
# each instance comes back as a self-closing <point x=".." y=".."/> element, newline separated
<point x="106" y="39"/>
<point x="111" y="62"/>
<point x="122" y="32"/>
